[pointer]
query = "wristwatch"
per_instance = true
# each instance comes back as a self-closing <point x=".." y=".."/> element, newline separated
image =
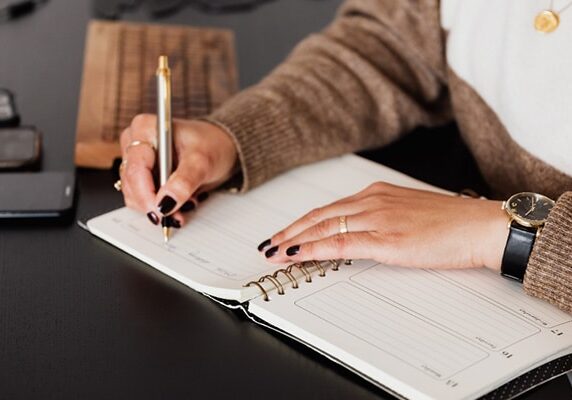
<point x="527" y="214"/>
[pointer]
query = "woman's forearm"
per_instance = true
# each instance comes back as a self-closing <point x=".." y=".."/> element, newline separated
<point x="376" y="72"/>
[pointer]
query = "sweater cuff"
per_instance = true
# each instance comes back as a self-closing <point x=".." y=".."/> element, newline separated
<point x="550" y="264"/>
<point x="261" y="133"/>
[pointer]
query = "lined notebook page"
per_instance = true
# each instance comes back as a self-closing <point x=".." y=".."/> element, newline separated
<point x="444" y="303"/>
<point x="424" y="334"/>
<point x="216" y="251"/>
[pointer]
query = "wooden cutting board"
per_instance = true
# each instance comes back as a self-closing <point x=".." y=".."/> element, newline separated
<point x="119" y="80"/>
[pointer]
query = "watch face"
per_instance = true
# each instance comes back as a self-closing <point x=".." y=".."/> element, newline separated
<point x="529" y="209"/>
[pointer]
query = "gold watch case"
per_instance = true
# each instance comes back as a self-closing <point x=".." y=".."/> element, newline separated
<point x="528" y="209"/>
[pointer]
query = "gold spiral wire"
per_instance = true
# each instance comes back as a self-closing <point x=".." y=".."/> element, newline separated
<point x="334" y="266"/>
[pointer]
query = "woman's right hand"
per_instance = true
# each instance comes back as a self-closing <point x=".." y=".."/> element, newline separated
<point x="204" y="158"/>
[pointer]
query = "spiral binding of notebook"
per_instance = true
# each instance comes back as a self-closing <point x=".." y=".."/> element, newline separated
<point x="306" y="269"/>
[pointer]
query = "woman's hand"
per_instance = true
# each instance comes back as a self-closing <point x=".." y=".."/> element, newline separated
<point x="398" y="226"/>
<point x="204" y="157"/>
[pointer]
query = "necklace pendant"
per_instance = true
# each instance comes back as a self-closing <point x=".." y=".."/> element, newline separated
<point x="546" y="21"/>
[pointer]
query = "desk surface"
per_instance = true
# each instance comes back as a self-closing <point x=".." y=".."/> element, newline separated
<point x="80" y="319"/>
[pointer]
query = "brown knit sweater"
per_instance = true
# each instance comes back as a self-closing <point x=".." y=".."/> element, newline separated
<point x="378" y="71"/>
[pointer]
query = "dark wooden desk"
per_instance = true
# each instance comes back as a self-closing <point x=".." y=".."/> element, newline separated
<point x="80" y="319"/>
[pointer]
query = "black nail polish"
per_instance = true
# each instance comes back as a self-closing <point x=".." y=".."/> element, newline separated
<point x="264" y="244"/>
<point x="293" y="250"/>
<point x="188" y="206"/>
<point x="167" y="204"/>
<point x="271" y="252"/>
<point x="153" y="218"/>
<point x="202" y="196"/>
<point x="170" y="222"/>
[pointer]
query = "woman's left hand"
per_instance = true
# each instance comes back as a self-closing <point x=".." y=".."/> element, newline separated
<point x="397" y="226"/>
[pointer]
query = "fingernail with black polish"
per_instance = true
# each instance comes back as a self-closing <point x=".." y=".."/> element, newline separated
<point x="292" y="251"/>
<point x="175" y="223"/>
<point x="153" y="218"/>
<point x="271" y="252"/>
<point x="167" y="204"/>
<point x="188" y="206"/>
<point x="202" y="196"/>
<point x="264" y="244"/>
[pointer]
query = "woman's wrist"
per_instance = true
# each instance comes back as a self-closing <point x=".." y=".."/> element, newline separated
<point x="494" y="234"/>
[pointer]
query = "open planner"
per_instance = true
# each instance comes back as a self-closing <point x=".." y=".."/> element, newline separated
<point x="419" y="334"/>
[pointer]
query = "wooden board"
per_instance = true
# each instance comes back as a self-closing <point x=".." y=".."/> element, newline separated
<point x="119" y="79"/>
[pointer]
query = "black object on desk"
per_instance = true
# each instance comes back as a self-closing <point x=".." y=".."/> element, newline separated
<point x="112" y="9"/>
<point x="17" y="9"/>
<point x="228" y="5"/>
<point x="20" y="148"/>
<point x="36" y="195"/>
<point x="8" y="112"/>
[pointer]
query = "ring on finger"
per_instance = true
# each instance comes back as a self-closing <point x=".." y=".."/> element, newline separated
<point x="343" y="224"/>
<point x="139" y="143"/>
<point x="344" y="229"/>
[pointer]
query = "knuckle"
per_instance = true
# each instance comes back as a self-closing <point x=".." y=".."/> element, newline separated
<point x="182" y="185"/>
<point x="204" y="162"/>
<point x="131" y="171"/>
<point x="378" y="186"/>
<point x="279" y="237"/>
<point x="124" y="136"/>
<point x="200" y="165"/>
<point x="322" y="228"/>
<point x="142" y="121"/>
<point x="315" y="215"/>
<point x="339" y="242"/>
<point x="370" y="188"/>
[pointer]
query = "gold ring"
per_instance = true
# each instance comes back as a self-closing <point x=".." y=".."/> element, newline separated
<point x="343" y="225"/>
<point x="117" y="185"/>
<point x="139" y="143"/>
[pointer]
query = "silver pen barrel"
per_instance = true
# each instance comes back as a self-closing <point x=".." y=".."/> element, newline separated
<point x="164" y="122"/>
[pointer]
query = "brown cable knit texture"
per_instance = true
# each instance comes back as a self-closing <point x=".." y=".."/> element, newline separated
<point x="549" y="272"/>
<point x="378" y="71"/>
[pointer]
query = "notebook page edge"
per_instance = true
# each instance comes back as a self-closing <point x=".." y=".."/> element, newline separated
<point x="96" y="226"/>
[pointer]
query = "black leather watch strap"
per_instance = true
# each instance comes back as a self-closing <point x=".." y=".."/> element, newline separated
<point x="517" y="251"/>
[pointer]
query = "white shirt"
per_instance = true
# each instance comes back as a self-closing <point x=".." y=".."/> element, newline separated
<point x="523" y="75"/>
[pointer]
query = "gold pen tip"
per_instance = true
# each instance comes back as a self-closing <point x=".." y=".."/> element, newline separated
<point x="163" y="62"/>
<point x="166" y="234"/>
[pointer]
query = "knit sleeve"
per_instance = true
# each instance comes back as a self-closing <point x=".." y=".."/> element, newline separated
<point x="549" y="272"/>
<point x="376" y="72"/>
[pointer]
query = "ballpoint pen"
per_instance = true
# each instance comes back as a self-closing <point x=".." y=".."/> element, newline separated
<point x="164" y="132"/>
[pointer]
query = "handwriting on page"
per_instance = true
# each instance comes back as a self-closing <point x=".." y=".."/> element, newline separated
<point x="445" y="303"/>
<point x="401" y="334"/>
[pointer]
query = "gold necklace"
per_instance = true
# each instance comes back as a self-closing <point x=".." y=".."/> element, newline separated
<point x="548" y="20"/>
